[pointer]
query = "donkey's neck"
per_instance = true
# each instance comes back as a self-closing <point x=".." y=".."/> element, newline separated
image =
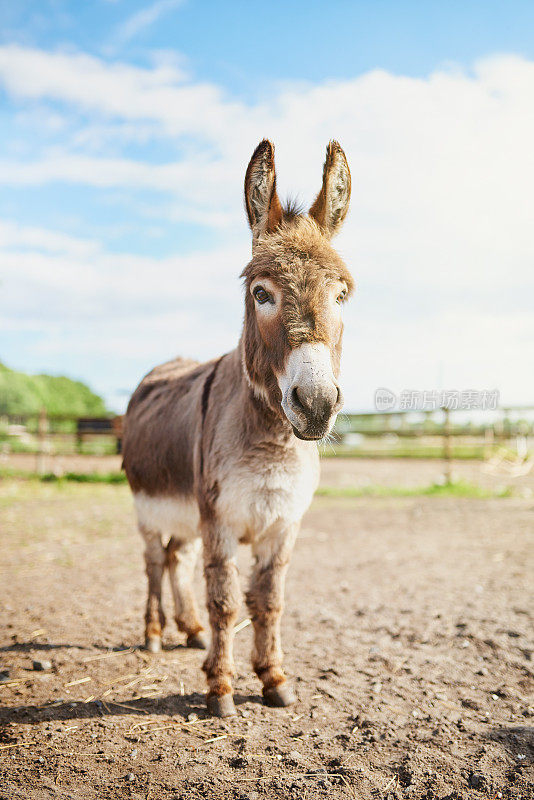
<point x="259" y="416"/>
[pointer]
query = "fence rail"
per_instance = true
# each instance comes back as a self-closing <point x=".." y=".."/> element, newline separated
<point x="441" y="433"/>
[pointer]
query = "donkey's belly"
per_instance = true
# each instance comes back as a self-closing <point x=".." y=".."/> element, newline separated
<point x="174" y="515"/>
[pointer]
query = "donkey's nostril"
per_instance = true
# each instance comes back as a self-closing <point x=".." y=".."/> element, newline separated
<point x="299" y="400"/>
<point x="317" y="402"/>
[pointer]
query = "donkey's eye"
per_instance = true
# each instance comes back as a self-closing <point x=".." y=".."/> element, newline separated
<point x="262" y="295"/>
<point x="341" y="296"/>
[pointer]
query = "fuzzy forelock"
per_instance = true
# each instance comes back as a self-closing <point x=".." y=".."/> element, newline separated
<point x="297" y="248"/>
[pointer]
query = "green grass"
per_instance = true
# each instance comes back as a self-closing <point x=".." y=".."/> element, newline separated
<point x="67" y="477"/>
<point x="459" y="452"/>
<point x="453" y="489"/>
<point x="85" y="477"/>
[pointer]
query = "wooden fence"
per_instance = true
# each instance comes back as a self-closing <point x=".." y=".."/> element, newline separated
<point x="439" y="433"/>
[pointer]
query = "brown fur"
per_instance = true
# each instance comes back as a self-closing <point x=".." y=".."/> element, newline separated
<point x="151" y="460"/>
<point x="332" y="202"/>
<point x="301" y="262"/>
<point x="214" y="436"/>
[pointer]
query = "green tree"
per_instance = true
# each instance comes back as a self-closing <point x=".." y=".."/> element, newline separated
<point x="27" y="394"/>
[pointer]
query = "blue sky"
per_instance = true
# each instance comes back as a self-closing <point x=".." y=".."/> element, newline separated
<point x="244" y="46"/>
<point x="126" y="129"/>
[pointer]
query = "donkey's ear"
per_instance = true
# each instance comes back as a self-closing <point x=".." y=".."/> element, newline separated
<point x="261" y="200"/>
<point x="332" y="202"/>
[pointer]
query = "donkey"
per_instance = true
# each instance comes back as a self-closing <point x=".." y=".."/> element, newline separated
<point x="225" y="452"/>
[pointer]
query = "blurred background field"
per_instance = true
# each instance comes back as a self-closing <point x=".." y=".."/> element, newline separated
<point x="56" y="428"/>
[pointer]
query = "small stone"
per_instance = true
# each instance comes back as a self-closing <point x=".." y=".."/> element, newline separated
<point x="133" y="754"/>
<point x="41" y="760"/>
<point x="405" y="776"/>
<point x="4" y="674"/>
<point x="294" y="755"/>
<point x="130" y="777"/>
<point x="42" y="665"/>
<point x="192" y="717"/>
<point x="468" y="702"/>
<point x="477" y="780"/>
<point x="238" y="762"/>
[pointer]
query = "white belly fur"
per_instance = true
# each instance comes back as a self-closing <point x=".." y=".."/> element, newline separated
<point x="250" y="501"/>
<point x="169" y="516"/>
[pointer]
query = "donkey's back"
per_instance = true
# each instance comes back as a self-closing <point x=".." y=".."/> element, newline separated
<point x="160" y="428"/>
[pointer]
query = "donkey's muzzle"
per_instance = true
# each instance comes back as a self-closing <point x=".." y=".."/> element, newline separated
<point x="313" y="408"/>
<point x="310" y="394"/>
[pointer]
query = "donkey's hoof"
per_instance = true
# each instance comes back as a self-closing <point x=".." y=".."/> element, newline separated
<point x="199" y="641"/>
<point x="221" y="706"/>
<point x="153" y="644"/>
<point x="279" y="696"/>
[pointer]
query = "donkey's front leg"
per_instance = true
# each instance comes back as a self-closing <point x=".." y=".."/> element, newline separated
<point x="224" y="599"/>
<point x="265" y="600"/>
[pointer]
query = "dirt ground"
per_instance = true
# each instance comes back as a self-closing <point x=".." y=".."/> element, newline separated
<point x="408" y="630"/>
<point x="359" y="472"/>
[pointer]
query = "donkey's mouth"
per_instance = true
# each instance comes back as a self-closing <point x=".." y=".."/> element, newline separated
<point x="315" y="437"/>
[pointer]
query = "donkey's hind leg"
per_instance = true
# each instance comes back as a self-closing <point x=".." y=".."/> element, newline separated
<point x="155" y="564"/>
<point x="181" y="559"/>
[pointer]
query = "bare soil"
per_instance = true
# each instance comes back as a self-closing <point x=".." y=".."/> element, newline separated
<point x="359" y="472"/>
<point x="408" y="630"/>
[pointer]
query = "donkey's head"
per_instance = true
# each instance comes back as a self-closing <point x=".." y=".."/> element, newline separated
<point x="296" y="284"/>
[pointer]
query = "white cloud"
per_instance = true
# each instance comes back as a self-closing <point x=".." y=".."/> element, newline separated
<point x="144" y="18"/>
<point x="42" y="239"/>
<point x="116" y="90"/>
<point x="78" y="279"/>
<point x="439" y="236"/>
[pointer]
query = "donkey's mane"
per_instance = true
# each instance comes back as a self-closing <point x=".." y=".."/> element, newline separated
<point x="292" y="209"/>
